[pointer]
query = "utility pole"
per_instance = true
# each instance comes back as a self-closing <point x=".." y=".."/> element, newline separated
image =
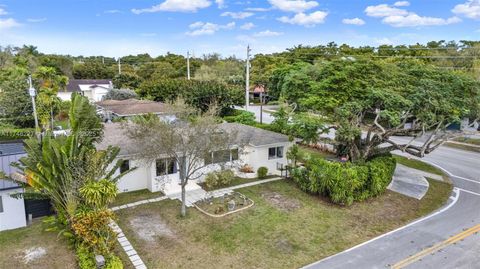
<point x="188" y="65"/>
<point x="119" y="66"/>
<point x="32" y="93"/>
<point x="247" y="80"/>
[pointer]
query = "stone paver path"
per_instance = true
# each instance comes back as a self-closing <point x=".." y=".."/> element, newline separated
<point x="127" y="247"/>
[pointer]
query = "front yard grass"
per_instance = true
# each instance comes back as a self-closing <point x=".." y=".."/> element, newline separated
<point x="315" y="153"/>
<point x="16" y="246"/>
<point x="419" y="165"/>
<point x="134" y="196"/>
<point x="463" y="147"/>
<point x="286" y="228"/>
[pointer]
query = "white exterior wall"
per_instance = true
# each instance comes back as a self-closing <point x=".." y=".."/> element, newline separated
<point x="94" y="94"/>
<point x="13" y="215"/>
<point x="138" y="179"/>
<point x="144" y="177"/>
<point x="258" y="157"/>
<point x="64" y="96"/>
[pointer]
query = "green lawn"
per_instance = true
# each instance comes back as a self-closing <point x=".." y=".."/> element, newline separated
<point x="315" y="152"/>
<point x="286" y="228"/>
<point x="417" y="164"/>
<point x="15" y="243"/>
<point x="463" y="147"/>
<point x="473" y="141"/>
<point x="134" y="196"/>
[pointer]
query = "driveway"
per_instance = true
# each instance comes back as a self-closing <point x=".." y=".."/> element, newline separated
<point x="449" y="227"/>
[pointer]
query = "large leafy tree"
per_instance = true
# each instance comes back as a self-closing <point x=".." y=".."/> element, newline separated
<point x="200" y="94"/>
<point x="187" y="140"/>
<point x="69" y="170"/>
<point x="15" y="104"/>
<point x="369" y="102"/>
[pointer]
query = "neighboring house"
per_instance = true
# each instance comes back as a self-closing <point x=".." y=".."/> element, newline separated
<point x="261" y="148"/>
<point x="12" y="211"/>
<point x="111" y="109"/>
<point x="93" y="89"/>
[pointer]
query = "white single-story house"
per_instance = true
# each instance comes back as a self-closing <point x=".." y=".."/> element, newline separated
<point x="12" y="210"/>
<point x="93" y="89"/>
<point x="111" y="109"/>
<point x="261" y="148"/>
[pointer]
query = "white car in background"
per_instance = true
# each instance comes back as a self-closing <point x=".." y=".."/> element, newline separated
<point x="58" y="131"/>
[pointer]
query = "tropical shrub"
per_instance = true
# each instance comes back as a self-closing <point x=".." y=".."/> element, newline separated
<point x="241" y="116"/>
<point x="262" y="172"/>
<point x="85" y="258"/>
<point x="114" y="262"/>
<point x="120" y="94"/>
<point x="93" y="232"/>
<point x="219" y="179"/>
<point x="345" y="183"/>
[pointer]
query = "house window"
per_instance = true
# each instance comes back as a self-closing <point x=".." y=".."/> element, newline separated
<point x="1" y="205"/>
<point x="125" y="166"/>
<point x="234" y="154"/>
<point x="221" y="156"/>
<point x="166" y="167"/>
<point x="275" y="153"/>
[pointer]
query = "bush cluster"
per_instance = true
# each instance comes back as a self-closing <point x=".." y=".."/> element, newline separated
<point x="345" y="183"/>
<point x="219" y="179"/>
<point x="262" y="172"/>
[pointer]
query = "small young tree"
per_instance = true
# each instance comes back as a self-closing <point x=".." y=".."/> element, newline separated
<point x="187" y="140"/>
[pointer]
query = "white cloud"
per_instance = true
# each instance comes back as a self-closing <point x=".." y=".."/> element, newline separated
<point x="354" y="21"/>
<point x="3" y="12"/>
<point x="296" y="6"/>
<point x="176" y="5"/>
<point x="308" y="20"/>
<point x="469" y="9"/>
<point x="8" y="23"/>
<point x="384" y="10"/>
<point x="414" y="20"/>
<point x="402" y="4"/>
<point x="221" y="3"/>
<point x="237" y="15"/>
<point x="397" y="17"/>
<point x="36" y="20"/>
<point x="208" y="28"/>
<point x="247" y="26"/>
<point x="267" y="33"/>
<point x="258" y="9"/>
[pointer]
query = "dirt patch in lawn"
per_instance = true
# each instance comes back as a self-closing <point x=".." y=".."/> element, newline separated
<point x="34" y="247"/>
<point x="33" y="254"/>
<point x="150" y="227"/>
<point x="280" y="201"/>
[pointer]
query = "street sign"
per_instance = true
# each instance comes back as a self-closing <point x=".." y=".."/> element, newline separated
<point x="31" y="91"/>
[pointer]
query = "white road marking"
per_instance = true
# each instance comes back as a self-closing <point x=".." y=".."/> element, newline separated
<point x="450" y="174"/>
<point x="471" y="192"/>
<point x="454" y="201"/>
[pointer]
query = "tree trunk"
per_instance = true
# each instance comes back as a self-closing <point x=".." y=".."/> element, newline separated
<point x="184" y="207"/>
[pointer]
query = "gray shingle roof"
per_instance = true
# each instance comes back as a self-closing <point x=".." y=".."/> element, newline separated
<point x="11" y="148"/>
<point x="114" y="135"/>
<point x="254" y="136"/>
<point x="74" y="84"/>
<point x="132" y="107"/>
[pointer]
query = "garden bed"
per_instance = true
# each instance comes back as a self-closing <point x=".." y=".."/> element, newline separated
<point x="224" y="205"/>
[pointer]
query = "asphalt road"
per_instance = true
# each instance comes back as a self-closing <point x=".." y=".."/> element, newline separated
<point x="460" y="214"/>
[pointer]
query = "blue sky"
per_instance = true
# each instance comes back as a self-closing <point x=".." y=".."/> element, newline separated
<point x="121" y="27"/>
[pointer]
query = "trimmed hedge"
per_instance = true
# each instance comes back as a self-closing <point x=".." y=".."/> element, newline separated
<point x="345" y="183"/>
<point x="262" y="172"/>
